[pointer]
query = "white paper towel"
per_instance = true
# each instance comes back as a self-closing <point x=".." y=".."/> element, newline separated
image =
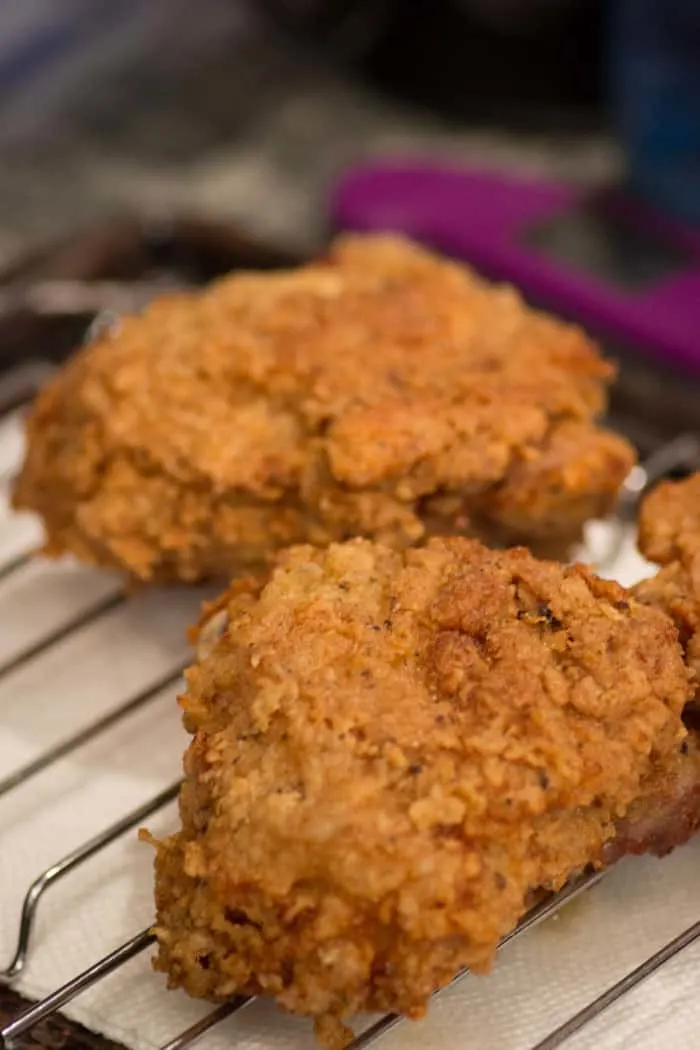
<point x="539" y="981"/>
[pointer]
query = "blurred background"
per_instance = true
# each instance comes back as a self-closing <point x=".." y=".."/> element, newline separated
<point x="246" y="113"/>
<point x="249" y="109"/>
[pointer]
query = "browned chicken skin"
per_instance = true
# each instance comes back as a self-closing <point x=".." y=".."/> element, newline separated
<point x="391" y="752"/>
<point x="381" y="392"/>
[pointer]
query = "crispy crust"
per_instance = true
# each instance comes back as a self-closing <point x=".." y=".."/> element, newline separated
<point x="676" y="590"/>
<point x="379" y="392"/>
<point x="393" y="750"/>
<point x="669" y="521"/>
<point x="669" y="534"/>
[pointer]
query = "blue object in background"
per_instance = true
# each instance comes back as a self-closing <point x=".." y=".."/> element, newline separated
<point x="655" y="97"/>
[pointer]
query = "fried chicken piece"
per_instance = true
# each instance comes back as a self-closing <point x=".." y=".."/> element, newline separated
<point x="669" y="520"/>
<point x="379" y="392"/>
<point x="676" y="590"/>
<point x="669" y="534"/>
<point x="391" y="752"/>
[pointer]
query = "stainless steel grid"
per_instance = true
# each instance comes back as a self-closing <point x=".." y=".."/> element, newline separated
<point x="682" y="454"/>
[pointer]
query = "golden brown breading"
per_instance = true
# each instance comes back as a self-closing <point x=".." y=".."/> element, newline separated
<point x="676" y="590"/>
<point x="365" y="394"/>
<point x="565" y="481"/>
<point x="669" y="534"/>
<point x="669" y="520"/>
<point x="391" y="751"/>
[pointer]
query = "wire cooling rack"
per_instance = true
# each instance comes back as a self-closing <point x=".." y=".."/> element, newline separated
<point x="63" y="626"/>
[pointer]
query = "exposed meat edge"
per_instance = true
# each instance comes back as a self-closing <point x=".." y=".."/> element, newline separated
<point x="660" y="822"/>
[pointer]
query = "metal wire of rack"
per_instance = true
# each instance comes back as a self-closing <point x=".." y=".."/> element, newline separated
<point x="682" y="454"/>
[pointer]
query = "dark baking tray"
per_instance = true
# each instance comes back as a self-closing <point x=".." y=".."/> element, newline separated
<point x="182" y="250"/>
<point x="648" y="404"/>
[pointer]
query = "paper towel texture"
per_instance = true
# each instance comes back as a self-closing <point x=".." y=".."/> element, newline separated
<point x="136" y="648"/>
